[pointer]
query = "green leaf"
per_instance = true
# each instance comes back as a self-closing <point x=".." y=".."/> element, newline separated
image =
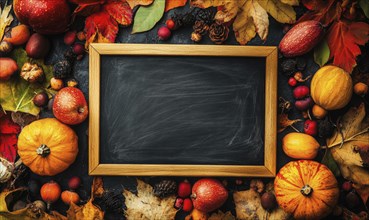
<point x="364" y="4"/>
<point x="147" y="16"/>
<point x="17" y="94"/>
<point x="331" y="163"/>
<point x="321" y="53"/>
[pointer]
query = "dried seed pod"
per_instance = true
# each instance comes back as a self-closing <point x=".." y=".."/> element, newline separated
<point x="196" y="37"/>
<point x="6" y="170"/>
<point x="32" y="72"/>
<point x="5" y="48"/>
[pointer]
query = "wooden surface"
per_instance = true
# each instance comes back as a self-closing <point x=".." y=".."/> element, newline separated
<point x="266" y="170"/>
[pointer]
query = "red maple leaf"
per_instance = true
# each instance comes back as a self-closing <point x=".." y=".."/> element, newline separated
<point x="343" y="39"/>
<point x="8" y="138"/>
<point x="322" y="11"/>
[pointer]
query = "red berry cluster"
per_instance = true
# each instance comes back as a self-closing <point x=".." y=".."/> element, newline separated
<point x="164" y="32"/>
<point x="70" y="39"/>
<point x="183" y="200"/>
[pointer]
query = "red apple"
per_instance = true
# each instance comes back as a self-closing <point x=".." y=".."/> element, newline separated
<point x="44" y="16"/>
<point x="70" y="106"/>
<point x="311" y="127"/>
<point x="208" y="194"/>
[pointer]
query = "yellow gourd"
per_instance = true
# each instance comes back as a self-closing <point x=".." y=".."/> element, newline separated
<point x="47" y="146"/>
<point x="300" y="146"/>
<point x="331" y="87"/>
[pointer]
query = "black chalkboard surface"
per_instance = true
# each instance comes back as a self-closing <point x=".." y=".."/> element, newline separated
<point x="183" y="109"/>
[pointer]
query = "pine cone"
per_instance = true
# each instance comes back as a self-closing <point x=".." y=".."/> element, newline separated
<point x="178" y="20"/>
<point x="62" y="69"/>
<point x="165" y="188"/>
<point x="218" y="33"/>
<point x="196" y="37"/>
<point x="188" y="18"/>
<point x="113" y="201"/>
<point x="200" y="27"/>
<point x="206" y="15"/>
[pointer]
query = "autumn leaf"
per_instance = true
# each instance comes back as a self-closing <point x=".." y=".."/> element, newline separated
<point x="145" y="205"/>
<point x="87" y="7"/>
<point x="8" y="138"/>
<point x="120" y="11"/>
<point x="343" y="39"/>
<point x="222" y="216"/>
<point x="250" y="16"/>
<point x="248" y="206"/>
<point x="284" y="122"/>
<point x="100" y="28"/>
<point x="6" y="19"/>
<point x="171" y="4"/>
<point x="322" y="11"/>
<point x="134" y="3"/>
<point x="147" y="17"/>
<point x="349" y="146"/>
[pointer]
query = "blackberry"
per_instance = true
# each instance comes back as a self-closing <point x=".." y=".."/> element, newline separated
<point x="70" y="55"/>
<point x="325" y="128"/>
<point x="165" y="188"/>
<point x="62" y="69"/>
<point x="288" y="66"/>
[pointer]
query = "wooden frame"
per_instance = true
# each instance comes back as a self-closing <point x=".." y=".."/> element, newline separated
<point x="266" y="170"/>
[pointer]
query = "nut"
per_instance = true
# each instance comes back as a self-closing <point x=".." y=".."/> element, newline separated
<point x="32" y="72"/>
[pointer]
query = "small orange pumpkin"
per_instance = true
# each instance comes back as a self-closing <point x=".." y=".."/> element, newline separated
<point x="50" y="192"/>
<point x="47" y="146"/>
<point x="69" y="196"/>
<point x="306" y="189"/>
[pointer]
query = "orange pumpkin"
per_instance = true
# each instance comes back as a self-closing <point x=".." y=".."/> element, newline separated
<point x="306" y="189"/>
<point x="47" y="146"/>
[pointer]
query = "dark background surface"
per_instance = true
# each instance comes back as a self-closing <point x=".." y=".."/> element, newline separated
<point x="181" y="36"/>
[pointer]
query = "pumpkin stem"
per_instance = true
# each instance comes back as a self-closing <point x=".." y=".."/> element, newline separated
<point x="43" y="150"/>
<point x="306" y="190"/>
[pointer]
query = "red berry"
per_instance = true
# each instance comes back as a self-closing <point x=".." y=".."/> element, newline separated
<point x="292" y="82"/>
<point x="304" y="104"/>
<point x="347" y="186"/>
<point x="170" y="24"/>
<point x="70" y="37"/>
<point x="178" y="203"/>
<point x="74" y="182"/>
<point x="301" y="92"/>
<point x="187" y="205"/>
<point x="184" y="189"/>
<point x="164" y="33"/>
<point x="78" y="49"/>
<point x="311" y="127"/>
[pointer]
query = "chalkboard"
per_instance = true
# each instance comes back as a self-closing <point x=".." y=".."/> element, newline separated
<point x="163" y="108"/>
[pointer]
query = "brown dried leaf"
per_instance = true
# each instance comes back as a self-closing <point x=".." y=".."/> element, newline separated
<point x="97" y="188"/>
<point x="222" y="216"/>
<point x="349" y="146"/>
<point x="6" y="19"/>
<point x="145" y="205"/>
<point x="248" y="206"/>
<point x="23" y="119"/>
<point x="134" y="3"/>
<point x="7" y="197"/>
<point x="284" y="122"/>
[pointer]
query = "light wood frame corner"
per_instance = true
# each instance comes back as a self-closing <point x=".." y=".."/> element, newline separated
<point x="268" y="169"/>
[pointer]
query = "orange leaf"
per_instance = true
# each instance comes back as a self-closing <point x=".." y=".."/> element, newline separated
<point x="170" y="4"/>
<point x="133" y="3"/>
<point x="343" y="39"/>
<point x="120" y="11"/>
<point x="284" y="122"/>
<point x="100" y="28"/>
<point x="322" y="11"/>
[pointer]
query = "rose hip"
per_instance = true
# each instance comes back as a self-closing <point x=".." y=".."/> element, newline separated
<point x="311" y="127"/>
<point x="292" y="82"/>
<point x="301" y="92"/>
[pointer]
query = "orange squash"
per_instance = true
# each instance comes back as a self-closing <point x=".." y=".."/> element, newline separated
<point x="306" y="189"/>
<point x="47" y="146"/>
<point x="331" y="87"/>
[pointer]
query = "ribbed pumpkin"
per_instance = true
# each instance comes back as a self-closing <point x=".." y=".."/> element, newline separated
<point x="331" y="87"/>
<point x="306" y="189"/>
<point x="47" y="146"/>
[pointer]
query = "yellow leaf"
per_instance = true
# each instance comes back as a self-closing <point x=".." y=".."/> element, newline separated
<point x="243" y="25"/>
<point x="261" y="20"/>
<point x="133" y="3"/>
<point x="207" y="3"/>
<point x="146" y="206"/>
<point x="291" y="2"/>
<point x="229" y="10"/>
<point x="281" y="12"/>
<point x="5" y="19"/>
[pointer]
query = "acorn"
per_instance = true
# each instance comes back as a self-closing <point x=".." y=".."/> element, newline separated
<point x="5" y="48"/>
<point x="268" y="201"/>
<point x="41" y="99"/>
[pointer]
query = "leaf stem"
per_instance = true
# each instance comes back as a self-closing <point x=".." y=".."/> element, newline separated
<point x="350" y="138"/>
<point x="21" y="100"/>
